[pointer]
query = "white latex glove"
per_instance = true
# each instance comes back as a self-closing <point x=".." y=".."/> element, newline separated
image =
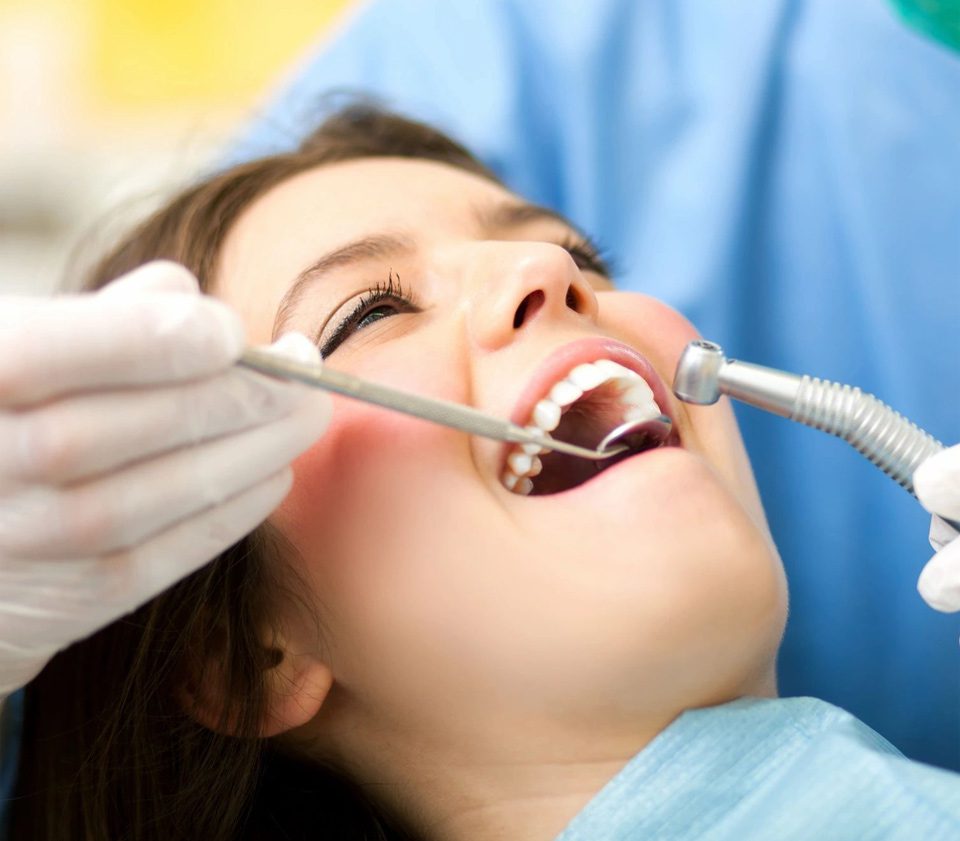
<point x="133" y="452"/>
<point x="937" y="483"/>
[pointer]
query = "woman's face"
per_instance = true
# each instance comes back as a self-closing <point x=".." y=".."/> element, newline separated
<point x="448" y="601"/>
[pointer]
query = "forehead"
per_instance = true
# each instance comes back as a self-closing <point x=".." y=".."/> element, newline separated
<point x="290" y="225"/>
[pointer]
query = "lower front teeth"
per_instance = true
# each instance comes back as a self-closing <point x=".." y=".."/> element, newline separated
<point x="524" y="464"/>
<point x="533" y="449"/>
<point x="518" y="484"/>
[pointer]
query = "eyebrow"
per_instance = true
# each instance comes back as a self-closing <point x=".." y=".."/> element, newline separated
<point x="384" y="246"/>
<point x="374" y="247"/>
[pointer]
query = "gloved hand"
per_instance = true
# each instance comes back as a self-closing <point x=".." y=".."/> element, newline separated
<point x="132" y="453"/>
<point x="937" y="483"/>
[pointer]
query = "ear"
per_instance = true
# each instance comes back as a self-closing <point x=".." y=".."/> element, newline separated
<point x="297" y="685"/>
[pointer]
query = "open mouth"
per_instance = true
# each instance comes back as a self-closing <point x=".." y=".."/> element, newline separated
<point x="589" y="400"/>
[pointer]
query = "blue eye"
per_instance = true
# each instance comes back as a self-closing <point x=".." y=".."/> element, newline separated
<point x="382" y="301"/>
<point x="374" y="315"/>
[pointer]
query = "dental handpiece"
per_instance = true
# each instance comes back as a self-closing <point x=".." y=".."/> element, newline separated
<point x="894" y="444"/>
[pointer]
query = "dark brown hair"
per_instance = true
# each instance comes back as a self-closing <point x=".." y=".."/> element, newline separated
<point x="108" y="751"/>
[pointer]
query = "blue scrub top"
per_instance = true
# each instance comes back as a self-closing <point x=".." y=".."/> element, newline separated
<point x="790" y="769"/>
<point x="785" y="173"/>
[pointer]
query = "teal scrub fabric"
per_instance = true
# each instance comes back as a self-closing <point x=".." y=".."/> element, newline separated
<point x="939" y="19"/>
<point x="791" y="769"/>
<point x="787" y="174"/>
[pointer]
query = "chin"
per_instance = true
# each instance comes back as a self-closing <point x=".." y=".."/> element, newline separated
<point x="689" y="586"/>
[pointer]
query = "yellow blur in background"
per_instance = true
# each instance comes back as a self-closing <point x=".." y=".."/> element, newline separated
<point x="147" y="52"/>
<point x="104" y="100"/>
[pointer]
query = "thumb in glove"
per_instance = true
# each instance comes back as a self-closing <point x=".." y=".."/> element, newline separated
<point x="937" y="484"/>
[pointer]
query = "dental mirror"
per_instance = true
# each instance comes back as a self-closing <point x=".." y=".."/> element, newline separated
<point x="657" y="428"/>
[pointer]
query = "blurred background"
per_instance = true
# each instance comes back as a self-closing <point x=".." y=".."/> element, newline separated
<point x="107" y="105"/>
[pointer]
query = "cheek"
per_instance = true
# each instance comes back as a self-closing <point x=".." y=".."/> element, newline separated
<point x="349" y="515"/>
<point x="658" y="330"/>
<point x="367" y="467"/>
<point x="374" y="501"/>
<point x="378" y="515"/>
<point x="368" y="454"/>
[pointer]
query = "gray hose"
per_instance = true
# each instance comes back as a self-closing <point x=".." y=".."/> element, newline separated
<point x="894" y="444"/>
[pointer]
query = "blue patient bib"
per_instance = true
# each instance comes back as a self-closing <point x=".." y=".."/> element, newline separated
<point x="789" y="769"/>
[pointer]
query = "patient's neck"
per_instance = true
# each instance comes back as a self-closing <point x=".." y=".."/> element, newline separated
<point x="525" y="781"/>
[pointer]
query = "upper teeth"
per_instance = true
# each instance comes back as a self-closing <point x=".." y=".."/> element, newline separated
<point x="636" y="395"/>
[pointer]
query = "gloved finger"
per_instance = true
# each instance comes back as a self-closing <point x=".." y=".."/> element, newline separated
<point x="937" y="483"/>
<point x="939" y="582"/>
<point x="941" y="533"/>
<point x="155" y="276"/>
<point x="187" y="545"/>
<point x="60" y="602"/>
<point x="79" y="438"/>
<point x="123" y="508"/>
<point x="297" y="347"/>
<point x="85" y="342"/>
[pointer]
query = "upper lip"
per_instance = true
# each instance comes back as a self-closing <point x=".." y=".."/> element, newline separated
<point x="559" y="363"/>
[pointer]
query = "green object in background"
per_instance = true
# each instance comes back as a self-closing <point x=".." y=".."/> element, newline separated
<point x="940" y="19"/>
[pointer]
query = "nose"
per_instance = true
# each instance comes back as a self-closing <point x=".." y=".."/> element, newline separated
<point x="513" y="285"/>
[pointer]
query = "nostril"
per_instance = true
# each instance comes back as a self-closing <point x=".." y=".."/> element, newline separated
<point x="573" y="301"/>
<point x="528" y="307"/>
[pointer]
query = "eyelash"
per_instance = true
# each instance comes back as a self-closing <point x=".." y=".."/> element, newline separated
<point x="585" y="254"/>
<point x="588" y="256"/>
<point x="371" y="300"/>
